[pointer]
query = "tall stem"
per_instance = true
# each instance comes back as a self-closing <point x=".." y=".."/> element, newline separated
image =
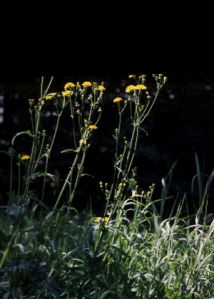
<point x="11" y="171"/>
<point x="70" y="175"/>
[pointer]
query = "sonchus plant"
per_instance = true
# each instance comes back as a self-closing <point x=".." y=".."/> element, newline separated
<point x="138" y="100"/>
<point x="83" y="101"/>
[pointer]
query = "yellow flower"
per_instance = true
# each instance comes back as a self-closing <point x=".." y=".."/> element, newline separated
<point x="140" y="87"/>
<point x="117" y="100"/>
<point x="99" y="219"/>
<point x="148" y="194"/>
<point x="82" y="141"/>
<point x="67" y="93"/>
<point x="50" y="96"/>
<point x="130" y="88"/>
<point x="132" y="76"/>
<point x="101" y="88"/>
<point x="24" y="157"/>
<point x="92" y="127"/>
<point x="86" y="84"/>
<point x="69" y="85"/>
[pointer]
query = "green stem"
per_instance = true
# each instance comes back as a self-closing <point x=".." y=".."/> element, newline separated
<point x="19" y="178"/>
<point x="44" y="178"/>
<point x="11" y="171"/>
<point x="55" y="131"/>
<point x="133" y="151"/>
<point x="70" y="175"/>
<point x="40" y="153"/>
<point x="79" y="173"/>
<point x="33" y="153"/>
<point x="144" y="116"/>
<point x="130" y="151"/>
<point x="116" y="171"/>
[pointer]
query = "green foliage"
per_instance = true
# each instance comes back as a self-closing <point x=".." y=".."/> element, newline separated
<point x="145" y="257"/>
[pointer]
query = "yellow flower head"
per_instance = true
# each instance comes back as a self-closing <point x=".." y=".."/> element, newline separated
<point x="69" y="85"/>
<point x="101" y="88"/>
<point x="99" y="219"/>
<point x="50" y="96"/>
<point x="117" y="100"/>
<point x="140" y="87"/>
<point x="24" y="157"/>
<point x="132" y="76"/>
<point x="82" y="141"/>
<point x="130" y="88"/>
<point x="86" y="84"/>
<point x="92" y="127"/>
<point x="67" y="93"/>
<point x="148" y="194"/>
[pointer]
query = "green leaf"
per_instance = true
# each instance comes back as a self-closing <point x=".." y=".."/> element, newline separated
<point x="69" y="150"/>
<point x="20" y="247"/>
<point x="43" y="174"/>
<point x="27" y="132"/>
<point x="10" y="152"/>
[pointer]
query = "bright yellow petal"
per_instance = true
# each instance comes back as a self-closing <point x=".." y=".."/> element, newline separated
<point x="25" y="157"/>
<point x="101" y="88"/>
<point x="50" y="96"/>
<point x="130" y="88"/>
<point x="97" y="220"/>
<point x="69" y="85"/>
<point x="117" y="100"/>
<point x="67" y="93"/>
<point x="92" y="127"/>
<point x="141" y="87"/>
<point x="86" y="84"/>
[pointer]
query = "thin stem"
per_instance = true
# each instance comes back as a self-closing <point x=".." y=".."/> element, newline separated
<point x="55" y="131"/>
<point x="11" y="170"/>
<point x="19" y="178"/>
<point x="32" y="121"/>
<point x="132" y="142"/>
<point x="40" y="152"/>
<point x="33" y="150"/>
<point x="70" y="175"/>
<point x="48" y="86"/>
<point x="116" y="171"/>
<point x="79" y="173"/>
<point x="150" y="107"/>
<point x="44" y="178"/>
<point x="133" y="151"/>
<point x="41" y="86"/>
